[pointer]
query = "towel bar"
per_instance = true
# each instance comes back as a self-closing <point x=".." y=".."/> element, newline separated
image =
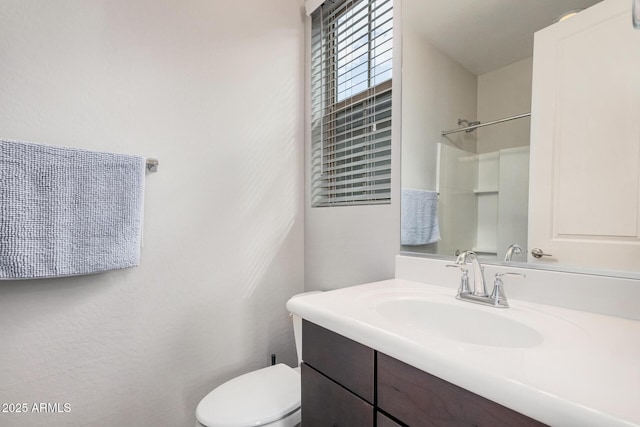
<point x="152" y="165"/>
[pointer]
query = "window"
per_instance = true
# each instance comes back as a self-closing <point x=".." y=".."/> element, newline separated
<point x="351" y="102"/>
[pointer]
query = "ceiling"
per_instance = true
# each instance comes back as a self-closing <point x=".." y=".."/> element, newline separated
<point x="484" y="35"/>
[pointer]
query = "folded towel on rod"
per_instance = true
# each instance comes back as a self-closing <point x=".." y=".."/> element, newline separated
<point x="68" y="211"/>
<point x="419" y="217"/>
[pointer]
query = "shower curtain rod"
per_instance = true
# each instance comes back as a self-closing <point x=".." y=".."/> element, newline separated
<point x="474" y="127"/>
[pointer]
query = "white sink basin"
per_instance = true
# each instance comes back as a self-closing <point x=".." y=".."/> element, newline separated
<point x="467" y="324"/>
<point x="563" y="367"/>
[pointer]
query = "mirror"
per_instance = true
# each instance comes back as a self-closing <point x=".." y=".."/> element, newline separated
<point x="466" y="61"/>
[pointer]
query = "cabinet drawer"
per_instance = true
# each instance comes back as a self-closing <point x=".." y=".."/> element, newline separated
<point x="420" y="399"/>
<point x="384" y="421"/>
<point x="343" y="360"/>
<point x="325" y="403"/>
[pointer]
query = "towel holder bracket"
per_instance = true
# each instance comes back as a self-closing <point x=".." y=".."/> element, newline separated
<point x="152" y="165"/>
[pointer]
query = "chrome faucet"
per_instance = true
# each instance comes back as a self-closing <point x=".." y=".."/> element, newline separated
<point x="479" y="288"/>
<point x="478" y="293"/>
<point x="512" y="250"/>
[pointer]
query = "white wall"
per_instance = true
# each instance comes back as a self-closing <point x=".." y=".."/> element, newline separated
<point x="350" y="245"/>
<point x="196" y="85"/>
<point x="503" y="93"/>
<point x="436" y="91"/>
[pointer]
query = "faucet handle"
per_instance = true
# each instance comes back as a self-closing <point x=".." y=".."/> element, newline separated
<point x="513" y="249"/>
<point x="497" y="295"/>
<point x="464" y="280"/>
<point x="462" y="257"/>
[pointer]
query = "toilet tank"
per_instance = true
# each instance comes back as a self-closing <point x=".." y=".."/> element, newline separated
<point x="297" y="327"/>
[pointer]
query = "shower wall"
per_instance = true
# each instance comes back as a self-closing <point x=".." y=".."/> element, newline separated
<point x="483" y="200"/>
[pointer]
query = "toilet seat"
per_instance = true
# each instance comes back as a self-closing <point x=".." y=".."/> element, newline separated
<point x="253" y="399"/>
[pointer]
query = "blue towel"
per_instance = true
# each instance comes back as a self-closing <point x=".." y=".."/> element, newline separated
<point x="66" y="211"/>
<point x="419" y="217"/>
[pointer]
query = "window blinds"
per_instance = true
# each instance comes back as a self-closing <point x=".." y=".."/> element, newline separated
<point x="351" y="56"/>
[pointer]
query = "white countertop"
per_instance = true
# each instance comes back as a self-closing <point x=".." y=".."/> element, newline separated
<point x="584" y="371"/>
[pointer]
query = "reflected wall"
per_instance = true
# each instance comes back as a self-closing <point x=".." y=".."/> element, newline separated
<point x="467" y="169"/>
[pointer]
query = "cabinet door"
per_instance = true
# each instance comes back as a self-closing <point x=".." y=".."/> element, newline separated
<point x="384" y="421"/>
<point x="585" y="140"/>
<point x="345" y="361"/>
<point x="327" y="404"/>
<point x="419" y="399"/>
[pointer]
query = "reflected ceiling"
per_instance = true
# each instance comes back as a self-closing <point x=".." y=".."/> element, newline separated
<point x="484" y="35"/>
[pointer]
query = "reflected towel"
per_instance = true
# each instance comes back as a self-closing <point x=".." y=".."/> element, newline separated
<point x="66" y="211"/>
<point x="419" y="221"/>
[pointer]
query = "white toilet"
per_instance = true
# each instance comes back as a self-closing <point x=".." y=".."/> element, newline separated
<point x="267" y="397"/>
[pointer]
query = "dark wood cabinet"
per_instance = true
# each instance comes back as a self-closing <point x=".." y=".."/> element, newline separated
<point x="419" y="399"/>
<point x="326" y="403"/>
<point x="384" y="421"/>
<point x="345" y="361"/>
<point x="345" y="383"/>
<point x="338" y="380"/>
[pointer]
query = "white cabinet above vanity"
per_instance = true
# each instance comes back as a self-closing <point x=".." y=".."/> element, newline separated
<point x="584" y="205"/>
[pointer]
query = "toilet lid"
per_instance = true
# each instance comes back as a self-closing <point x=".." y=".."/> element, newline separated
<point x="254" y="399"/>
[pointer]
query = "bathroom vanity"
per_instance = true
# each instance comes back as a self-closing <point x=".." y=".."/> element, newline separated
<point x="405" y="353"/>
<point x="345" y="383"/>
